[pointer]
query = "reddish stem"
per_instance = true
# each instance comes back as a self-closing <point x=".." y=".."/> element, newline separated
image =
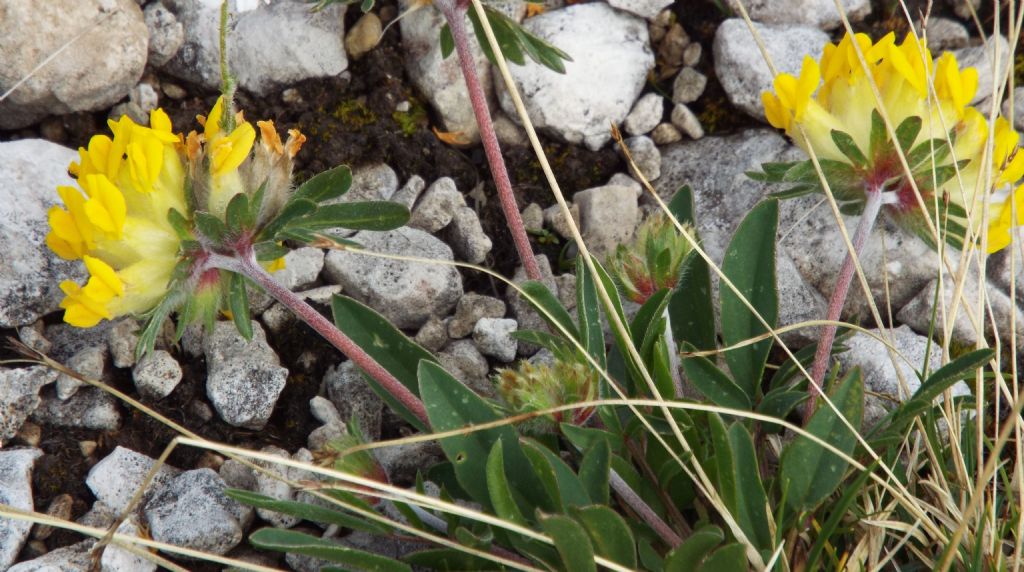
<point x="455" y="12"/>
<point x="872" y="205"/>
<point x="247" y="265"/>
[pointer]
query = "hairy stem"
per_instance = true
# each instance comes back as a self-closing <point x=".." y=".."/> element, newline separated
<point x="227" y="86"/>
<point x="872" y="206"/>
<point x="454" y="12"/>
<point x="643" y="510"/>
<point x="250" y="268"/>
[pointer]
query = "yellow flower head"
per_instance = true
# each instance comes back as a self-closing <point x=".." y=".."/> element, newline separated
<point x="119" y="221"/>
<point x="831" y="107"/>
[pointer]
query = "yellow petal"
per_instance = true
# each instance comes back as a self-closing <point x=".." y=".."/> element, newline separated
<point x="106" y="207"/>
<point x="230" y="152"/>
<point x="211" y="124"/>
<point x="106" y="277"/>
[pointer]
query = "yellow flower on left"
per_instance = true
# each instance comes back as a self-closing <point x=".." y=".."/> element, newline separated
<point x="116" y="220"/>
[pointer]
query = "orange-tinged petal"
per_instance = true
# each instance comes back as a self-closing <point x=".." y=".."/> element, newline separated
<point x="269" y="137"/>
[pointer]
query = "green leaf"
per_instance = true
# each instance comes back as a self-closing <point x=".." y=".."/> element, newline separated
<point x="594" y="471"/>
<point x="506" y="38"/>
<point x="779" y="402"/>
<point x="694" y="550"/>
<point x="237" y="213"/>
<point x="681" y="206"/>
<point x="750" y="263"/>
<point x="388" y="346"/>
<point x="238" y="302"/>
<point x="180" y="224"/>
<point x="555" y="344"/>
<point x="360" y="215"/>
<point x="266" y="251"/>
<point x="848" y="147"/>
<point x="210" y="226"/>
<point x="878" y="137"/>
<point x="691" y="309"/>
<point x="294" y="209"/>
<point x="609" y="534"/>
<point x="447" y="41"/>
<point x="325" y="186"/>
<point x="809" y="472"/>
<point x="295" y="542"/>
<point x="549" y="308"/>
<point x="838" y="513"/>
<point x="943" y="378"/>
<point x="588" y="314"/>
<point x="500" y="492"/>
<point x="646" y="318"/>
<point x="448" y="559"/>
<point x="572" y="542"/>
<point x="307" y="511"/>
<point x="714" y="383"/>
<point x="907" y="132"/>
<point x="154" y="322"/>
<point x="728" y="558"/>
<point x="567" y="484"/>
<point x="749" y="497"/>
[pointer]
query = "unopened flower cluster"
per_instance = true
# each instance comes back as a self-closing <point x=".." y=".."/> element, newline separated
<point x="831" y="108"/>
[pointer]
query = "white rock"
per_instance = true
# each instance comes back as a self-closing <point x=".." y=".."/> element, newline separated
<point x="244" y="378"/>
<point x="363" y="36"/>
<point x="302" y="267"/>
<point x="33" y="337"/>
<point x="965" y="9"/>
<point x="16" y="492"/>
<point x="740" y="67"/>
<point x="166" y="34"/>
<point x="881" y="383"/>
<point x="192" y="511"/>
<point x="646" y="156"/>
<point x="273" y="485"/>
<point x="157" y="374"/>
<point x="122" y="338"/>
<point x="946" y="34"/>
<point x="522" y="310"/>
<point x="74" y="558"/>
<point x="646" y="115"/>
<point x="579" y="105"/>
<point x="19" y="396"/>
<point x="89" y="408"/>
<point x="798" y="302"/>
<point x="437" y="206"/>
<point x="106" y="57"/>
<point x="467" y="236"/>
<point x="667" y="133"/>
<point x="440" y="79"/>
<point x="533" y="217"/>
<point x="407" y="293"/>
<point x="117" y="559"/>
<point x="818" y="13"/>
<point x="116" y="478"/>
<point x="984" y="59"/>
<point x="410" y="192"/>
<point x="274" y="45"/>
<point x="555" y="219"/>
<point x="433" y="334"/>
<point x="687" y="121"/>
<point x="464" y="361"/>
<point x="918" y="312"/>
<point x="648" y="9"/>
<point x="377" y="182"/>
<point x="353" y="397"/>
<point x="470" y="309"/>
<point x="608" y="216"/>
<point x="90" y="363"/>
<point x="688" y="86"/>
<point x="493" y="337"/>
<point x="1018" y="108"/>
<point x="30" y="172"/>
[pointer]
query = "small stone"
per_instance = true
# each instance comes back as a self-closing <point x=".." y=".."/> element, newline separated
<point x="116" y="478"/>
<point x="201" y="411"/>
<point x="686" y="121"/>
<point x="919" y="312"/>
<point x="333" y="424"/>
<point x="16" y="492"/>
<point x="410" y="191"/>
<point x="437" y="206"/>
<point x="74" y="558"/>
<point x="244" y="378"/>
<point x="156" y="375"/>
<point x="672" y="46"/>
<point x="555" y="218"/>
<point x="274" y="486"/>
<point x="946" y="34"/>
<point x="467" y="237"/>
<point x="465" y="363"/>
<point x="522" y="310"/>
<point x="363" y="36"/>
<point x="965" y="9"/>
<point x="90" y="363"/>
<point x="509" y="133"/>
<point x="353" y="399"/>
<point x="237" y="475"/>
<point x="145" y="96"/>
<point x="646" y="114"/>
<point x="32" y="336"/>
<point x="688" y="86"/>
<point x="567" y="290"/>
<point x="692" y="54"/>
<point x="432" y="335"/>
<point x="122" y="339"/>
<point x="60" y="508"/>
<point x="192" y="511"/>
<point x="89" y="408"/>
<point x="87" y="448"/>
<point x="30" y="434"/>
<point x="166" y="34"/>
<point x="302" y="268"/>
<point x="608" y="216"/>
<point x="659" y="25"/>
<point x="533" y="217"/>
<point x="666" y="134"/>
<point x="469" y="310"/>
<point x="493" y="337"/>
<point x="291" y="96"/>
<point x="403" y="462"/>
<point x="646" y="157"/>
<point x="210" y="460"/>
<point x="648" y="9"/>
<point x="19" y="396"/>
<point x="174" y="91"/>
<point x="1017" y="103"/>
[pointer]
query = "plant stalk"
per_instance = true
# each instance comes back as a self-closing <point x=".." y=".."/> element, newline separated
<point x="247" y="265"/>
<point x="454" y="12"/>
<point x="872" y="206"/>
<point x="633" y="501"/>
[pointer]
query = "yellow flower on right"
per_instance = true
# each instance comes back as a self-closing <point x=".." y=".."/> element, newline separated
<point x="831" y="108"/>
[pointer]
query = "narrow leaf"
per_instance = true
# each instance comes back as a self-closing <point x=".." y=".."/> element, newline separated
<point x="714" y="383"/>
<point x="324" y="186"/>
<point x="238" y="302"/>
<point x="295" y="542"/>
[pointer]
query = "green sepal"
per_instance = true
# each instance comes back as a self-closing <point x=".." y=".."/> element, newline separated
<point x="237" y="214"/>
<point x="210" y="226"/>
<point x="180" y="224"/>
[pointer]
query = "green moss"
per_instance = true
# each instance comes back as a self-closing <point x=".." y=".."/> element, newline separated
<point x="715" y="113"/>
<point x="354" y="114"/>
<point x="411" y="120"/>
